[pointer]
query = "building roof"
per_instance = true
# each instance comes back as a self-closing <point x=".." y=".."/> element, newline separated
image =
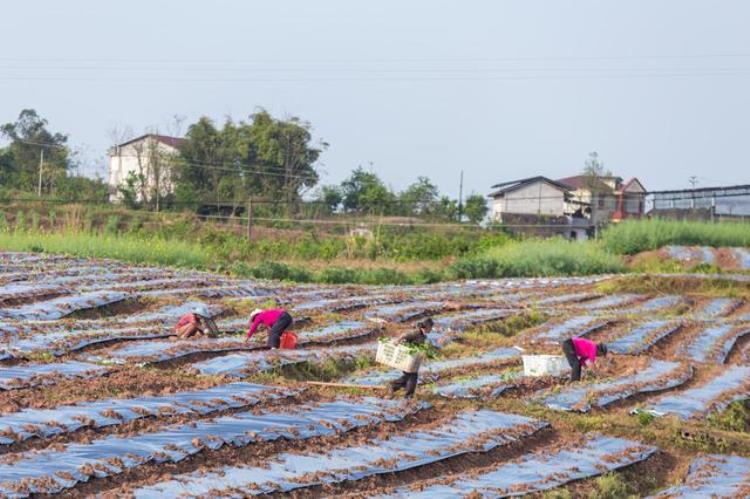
<point x="704" y="189"/>
<point x="632" y="182"/>
<point x="505" y="187"/>
<point x="164" y="139"/>
<point x="584" y="182"/>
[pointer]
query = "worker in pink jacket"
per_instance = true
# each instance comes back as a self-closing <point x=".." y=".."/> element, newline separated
<point x="581" y="352"/>
<point x="277" y="320"/>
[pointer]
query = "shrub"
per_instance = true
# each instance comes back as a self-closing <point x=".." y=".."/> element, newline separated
<point x="611" y="486"/>
<point x="337" y="276"/>
<point x="112" y="225"/>
<point x="383" y="276"/>
<point x="553" y="257"/>
<point x="52" y="217"/>
<point x="631" y="237"/>
<point x="20" y="221"/>
<point x="35" y="220"/>
<point x="428" y="276"/>
<point x="736" y="417"/>
<point x="280" y="272"/>
<point x="475" y="268"/>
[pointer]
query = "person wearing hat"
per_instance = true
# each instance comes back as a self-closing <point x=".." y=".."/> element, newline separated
<point x="408" y="381"/>
<point x="197" y="322"/>
<point x="581" y="352"/>
<point x="277" y="320"/>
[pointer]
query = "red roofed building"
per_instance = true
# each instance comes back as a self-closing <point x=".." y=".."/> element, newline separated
<point x="609" y="198"/>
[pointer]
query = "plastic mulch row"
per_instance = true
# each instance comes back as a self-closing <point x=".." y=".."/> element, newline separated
<point x="712" y="476"/>
<point x="471" y="431"/>
<point x="16" y="377"/>
<point x="488" y="386"/>
<point x="713" y="344"/>
<point x="242" y="365"/>
<point x="57" y="308"/>
<point x="28" y="423"/>
<point x="543" y="470"/>
<point x="659" y="375"/>
<point x="643" y="337"/>
<point x="576" y="326"/>
<point x="434" y="369"/>
<point x="53" y="470"/>
<point x="731" y="385"/>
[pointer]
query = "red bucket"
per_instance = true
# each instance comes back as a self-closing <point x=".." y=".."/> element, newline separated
<point x="288" y="340"/>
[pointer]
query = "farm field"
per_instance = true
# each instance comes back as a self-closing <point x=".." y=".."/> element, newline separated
<point x="98" y="397"/>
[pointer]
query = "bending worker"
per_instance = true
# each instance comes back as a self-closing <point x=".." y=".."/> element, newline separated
<point x="408" y="381"/>
<point x="277" y="320"/>
<point x="581" y="352"/>
<point x="197" y="322"/>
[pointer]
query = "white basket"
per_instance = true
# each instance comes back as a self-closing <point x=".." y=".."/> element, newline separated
<point x="544" y="365"/>
<point x="398" y="357"/>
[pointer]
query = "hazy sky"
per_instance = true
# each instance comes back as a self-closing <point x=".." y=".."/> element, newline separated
<point x="500" y="89"/>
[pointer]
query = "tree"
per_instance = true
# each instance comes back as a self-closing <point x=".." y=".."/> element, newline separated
<point x="285" y="155"/>
<point x="476" y="208"/>
<point x="446" y="209"/>
<point x="269" y="158"/>
<point x="420" y="198"/>
<point x="130" y="190"/>
<point x="594" y="171"/>
<point x="329" y="198"/>
<point x="29" y="140"/>
<point x="364" y="192"/>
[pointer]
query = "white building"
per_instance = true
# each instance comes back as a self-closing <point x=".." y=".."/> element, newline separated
<point x="150" y="155"/>
<point x="538" y="196"/>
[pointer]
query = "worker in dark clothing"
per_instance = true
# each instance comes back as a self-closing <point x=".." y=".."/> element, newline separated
<point x="408" y="381"/>
<point x="581" y="352"/>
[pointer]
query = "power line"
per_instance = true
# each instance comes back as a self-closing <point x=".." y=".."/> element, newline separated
<point x="728" y="72"/>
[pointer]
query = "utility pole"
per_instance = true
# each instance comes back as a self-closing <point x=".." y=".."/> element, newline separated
<point x="693" y="180"/>
<point x="461" y="197"/>
<point x="41" y="162"/>
<point x="249" y="219"/>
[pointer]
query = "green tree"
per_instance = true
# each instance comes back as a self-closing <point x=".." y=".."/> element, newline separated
<point x="80" y="188"/>
<point x="329" y="198"/>
<point x="446" y="209"/>
<point x="29" y="139"/>
<point x="420" y="198"/>
<point x="364" y="192"/>
<point x="285" y="155"/>
<point x="476" y="208"/>
<point x="267" y="157"/>
<point x="129" y="190"/>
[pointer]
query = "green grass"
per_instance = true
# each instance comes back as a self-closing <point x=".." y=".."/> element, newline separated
<point x="174" y="252"/>
<point x="532" y="258"/>
<point x="631" y="237"/>
<point x="131" y="249"/>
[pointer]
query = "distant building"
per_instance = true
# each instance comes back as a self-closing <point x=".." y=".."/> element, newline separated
<point x="705" y="203"/>
<point x="608" y="198"/>
<point x="538" y="206"/>
<point x="149" y="155"/>
<point x="529" y="196"/>
<point x="572" y="206"/>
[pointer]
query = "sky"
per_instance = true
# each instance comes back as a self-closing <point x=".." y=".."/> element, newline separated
<point x="499" y="89"/>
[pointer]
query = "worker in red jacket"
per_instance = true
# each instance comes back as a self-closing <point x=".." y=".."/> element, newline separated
<point x="277" y="320"/>
<point x="581" y="352"/>
<point x="197" y="322"/>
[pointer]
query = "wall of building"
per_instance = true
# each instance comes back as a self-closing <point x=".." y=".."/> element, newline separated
<point x="136" y="157"/>
<point x="538" y="198"/>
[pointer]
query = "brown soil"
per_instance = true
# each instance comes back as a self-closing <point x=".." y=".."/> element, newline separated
<point x="123" y="383"/>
